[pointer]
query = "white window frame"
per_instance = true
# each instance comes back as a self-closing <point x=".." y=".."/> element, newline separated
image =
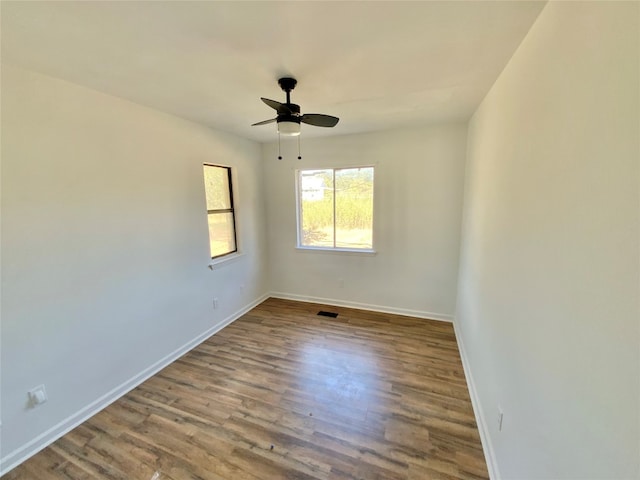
<point x="298" y="191"/>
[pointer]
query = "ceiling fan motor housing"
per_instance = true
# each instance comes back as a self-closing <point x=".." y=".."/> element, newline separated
<point x="288" y="118"/>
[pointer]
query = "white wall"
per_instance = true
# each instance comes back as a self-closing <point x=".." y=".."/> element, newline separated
<point x="417" y="210"/>
<point x="548" y="307"/>
<point x="105" y="248"/>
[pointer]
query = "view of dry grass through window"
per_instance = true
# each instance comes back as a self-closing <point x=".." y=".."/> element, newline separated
<point x="221" y="237"/>
<point x="336" y="208"/>
<point x="217" y="184"/>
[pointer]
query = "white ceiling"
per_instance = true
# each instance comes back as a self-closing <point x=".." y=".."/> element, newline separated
<point x="376" y="65"/>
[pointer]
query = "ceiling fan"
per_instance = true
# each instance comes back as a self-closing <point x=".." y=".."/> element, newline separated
<point x="289" y="117"/>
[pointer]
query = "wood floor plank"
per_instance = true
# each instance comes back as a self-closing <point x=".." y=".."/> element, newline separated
<point x="282" y="393"/>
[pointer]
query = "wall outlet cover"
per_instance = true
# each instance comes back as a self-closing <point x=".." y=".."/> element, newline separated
<point x="37" y="395"/>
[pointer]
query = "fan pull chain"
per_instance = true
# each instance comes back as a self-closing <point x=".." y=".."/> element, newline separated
<point x="279" y="155"/>
<point x="299" y="157"/>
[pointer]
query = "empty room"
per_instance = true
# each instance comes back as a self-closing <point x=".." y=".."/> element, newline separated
<point x="372" y="240"/>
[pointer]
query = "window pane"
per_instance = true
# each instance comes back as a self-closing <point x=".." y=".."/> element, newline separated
<point x="354" y="208"/>
<point x="316" y="208"/>
<point x="216" y="184"/>
<point x="221" y="237"/>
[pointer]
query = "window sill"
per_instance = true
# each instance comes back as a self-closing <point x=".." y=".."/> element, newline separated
<point x="340" y="251"/>
<point x="222" y="261"/>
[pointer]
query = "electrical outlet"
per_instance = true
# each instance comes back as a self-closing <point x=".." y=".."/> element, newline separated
<point x="37" y="395"/>
<point x="341" y="282"/>
<point x="500" y="417"/>
<point x="215" y="302"/>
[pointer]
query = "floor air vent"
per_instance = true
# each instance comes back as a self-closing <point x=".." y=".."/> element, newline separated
<point x="322" y="313"/>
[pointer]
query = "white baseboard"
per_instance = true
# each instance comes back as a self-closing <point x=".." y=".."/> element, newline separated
<point x="21" y="454"/>
<point x="364" y="306"/>
<point x="487" y="446"/>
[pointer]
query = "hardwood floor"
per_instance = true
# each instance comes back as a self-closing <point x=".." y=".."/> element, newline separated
<point x="285" y="394"/>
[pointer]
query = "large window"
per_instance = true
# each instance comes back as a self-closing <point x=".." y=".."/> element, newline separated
<point x="335" y="208"/>
<point x="222" y="227"/>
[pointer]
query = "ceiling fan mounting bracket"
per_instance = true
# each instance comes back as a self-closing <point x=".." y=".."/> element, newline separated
<point x="287" y="83"/>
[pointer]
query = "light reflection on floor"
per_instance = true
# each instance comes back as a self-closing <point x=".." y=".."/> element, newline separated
<point x="339" y="379"/>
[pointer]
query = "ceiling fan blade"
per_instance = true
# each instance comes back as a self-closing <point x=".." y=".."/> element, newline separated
<point x="319" y="120"/>
<point x="264" y="122"/>
<point x="277" y="106"/>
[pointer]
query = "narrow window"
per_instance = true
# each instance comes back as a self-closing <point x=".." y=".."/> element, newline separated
<point x="335" y="208"/>
<point x="222" y="225"/>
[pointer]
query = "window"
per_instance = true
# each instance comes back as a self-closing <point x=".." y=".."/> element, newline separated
<point x="222" y="226"/>
<point x="335" y="208"/>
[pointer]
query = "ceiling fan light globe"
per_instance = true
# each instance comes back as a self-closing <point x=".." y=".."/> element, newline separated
<point x="290" y="129"/>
